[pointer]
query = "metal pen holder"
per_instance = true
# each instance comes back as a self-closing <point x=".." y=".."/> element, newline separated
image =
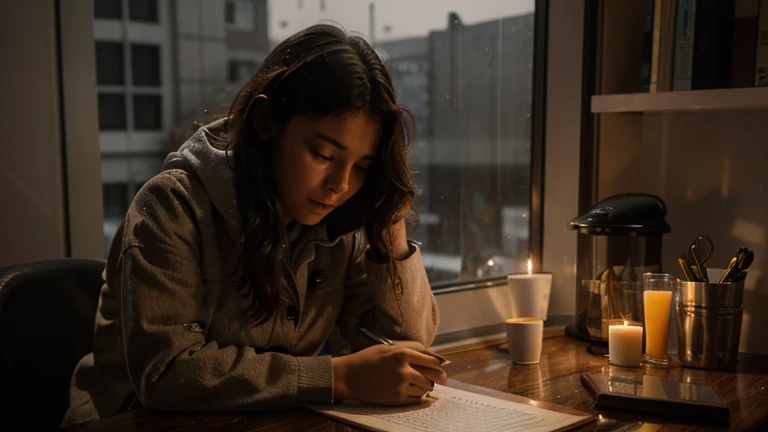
<point x="709" y="323"/>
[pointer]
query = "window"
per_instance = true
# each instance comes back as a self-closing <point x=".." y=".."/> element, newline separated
<point x="115" y="200"/>
<point x="240" y="14"/>
<point x="143" y="10"/>
<point x="241" y="70"/>
<point x="109" y="63"/>
<point x="147" y="112"/>
<point x="464" y="69"/>
<point x="229" y="12"/>
<point x="112" y="112"/>
<point x="145" y="64"/>
<point x="469" y="86"/>
<point x="109" y="9"/>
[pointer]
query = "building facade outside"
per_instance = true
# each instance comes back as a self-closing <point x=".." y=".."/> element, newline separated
<point x="161" y="65"/>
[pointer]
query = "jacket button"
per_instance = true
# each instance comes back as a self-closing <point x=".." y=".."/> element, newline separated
<point x="398" y="285"/>
<point x="291" y="313"/>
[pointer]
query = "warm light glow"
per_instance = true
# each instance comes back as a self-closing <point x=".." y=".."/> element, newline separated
<point x="490" y="263"/>
<point x="625" y="323"/>
<point x="530" y="266"/>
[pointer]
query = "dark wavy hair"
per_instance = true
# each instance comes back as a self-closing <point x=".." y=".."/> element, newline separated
<point x="320" y="71"/>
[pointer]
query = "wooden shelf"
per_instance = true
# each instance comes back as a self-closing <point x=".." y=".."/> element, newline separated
<point x="751" y="98"/>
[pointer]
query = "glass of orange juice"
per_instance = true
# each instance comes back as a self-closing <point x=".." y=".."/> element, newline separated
<point x="657" y="300"/>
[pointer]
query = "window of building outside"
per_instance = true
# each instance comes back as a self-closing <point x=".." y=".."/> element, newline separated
<point x="464" y="69"/>
<point x="112" y="112"/>
<point x="229" y="12"/>
<point x="240" y="14"/>
<point x="147" y="112"/>
<point x="107" y="9"/>
<point x="145" y="64"/>
<point x="109" y="63"/>
<point x="240" y="71"/>
<point x="143" y="10"/>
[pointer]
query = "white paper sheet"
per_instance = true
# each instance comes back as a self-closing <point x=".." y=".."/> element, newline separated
<point x="454" y="411"/>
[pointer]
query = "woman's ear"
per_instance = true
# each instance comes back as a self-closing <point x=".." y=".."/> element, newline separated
<point x="262" y="117"/>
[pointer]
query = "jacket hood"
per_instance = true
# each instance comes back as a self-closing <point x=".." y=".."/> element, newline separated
<point x="214" y="168"/>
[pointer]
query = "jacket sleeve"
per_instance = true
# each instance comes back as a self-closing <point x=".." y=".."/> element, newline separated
<point x="171" y="363"/>
<point x="404" y="309"/>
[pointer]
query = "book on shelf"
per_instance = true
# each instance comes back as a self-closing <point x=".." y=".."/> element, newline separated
<point x="704" y="44"/>
<point x="645" y="73"/>
<point x="744" y="43"/>
<point x="664" y="12"/>
<point x="713" y="44"/>
<point x="686" y="14"/>
<point x="761" y="55"/>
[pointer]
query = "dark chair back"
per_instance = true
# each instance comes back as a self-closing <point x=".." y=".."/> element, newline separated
<point x="47" y="311"/>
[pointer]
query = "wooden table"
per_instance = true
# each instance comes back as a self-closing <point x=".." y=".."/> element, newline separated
<point x="555" y="379"/>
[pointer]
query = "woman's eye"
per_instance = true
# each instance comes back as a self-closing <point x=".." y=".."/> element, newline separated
<point x="361" y="168"/>
<point x="321" y="156"/>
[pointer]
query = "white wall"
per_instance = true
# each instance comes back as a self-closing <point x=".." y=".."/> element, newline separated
<point x="31" y="192"/>
<point x="710" y="169"/>
<point x="563" y="129"/>
<point x="81" y="124"/>
<point x="36" y="136"/>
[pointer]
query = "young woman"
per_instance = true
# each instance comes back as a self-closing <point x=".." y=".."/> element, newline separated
<point x="264" y="231"/>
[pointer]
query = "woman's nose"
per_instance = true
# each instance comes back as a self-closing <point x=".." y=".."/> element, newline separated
<point x="338" y="180"/>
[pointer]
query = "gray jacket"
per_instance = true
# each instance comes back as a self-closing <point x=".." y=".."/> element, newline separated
<point x="170" y="329"/>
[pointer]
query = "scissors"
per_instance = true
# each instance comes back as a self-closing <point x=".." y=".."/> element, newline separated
<point x="700" y="250"/>
<point x="738" y="264"/>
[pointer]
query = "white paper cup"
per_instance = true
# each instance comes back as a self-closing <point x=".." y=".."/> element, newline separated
<point x="529" y="295"/>
<point x="524" y="336"/>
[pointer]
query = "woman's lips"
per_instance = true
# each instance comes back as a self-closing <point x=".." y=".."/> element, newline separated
<point x="322" y="206"/>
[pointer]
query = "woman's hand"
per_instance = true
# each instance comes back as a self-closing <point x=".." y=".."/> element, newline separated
<point x="386" y="375"/>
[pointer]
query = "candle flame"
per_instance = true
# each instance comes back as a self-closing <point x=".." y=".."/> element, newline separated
<point x="530" y="266"/>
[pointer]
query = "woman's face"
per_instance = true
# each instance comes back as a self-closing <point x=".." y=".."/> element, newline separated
<point x="320" y="163"/>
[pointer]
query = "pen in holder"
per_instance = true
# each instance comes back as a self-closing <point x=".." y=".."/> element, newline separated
<point x="709" y="323"/>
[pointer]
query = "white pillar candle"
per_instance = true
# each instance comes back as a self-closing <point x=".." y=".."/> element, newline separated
<point x="625" y="344"/>
<point x="529" y="294"/>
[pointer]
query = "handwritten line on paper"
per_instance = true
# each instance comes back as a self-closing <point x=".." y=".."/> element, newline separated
<point x="454" y="411"/>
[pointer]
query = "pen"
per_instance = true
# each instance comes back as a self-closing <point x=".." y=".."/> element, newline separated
<point x="379" y="338"/>
<point x="374" y="335"/>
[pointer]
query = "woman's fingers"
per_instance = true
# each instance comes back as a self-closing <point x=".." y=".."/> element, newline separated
<point x="416" y="379"/>
<point x="434" y="375"/>
<point x="415" y="392"/>
<point x="416" y="358"/>
<point x="426" y="365"/>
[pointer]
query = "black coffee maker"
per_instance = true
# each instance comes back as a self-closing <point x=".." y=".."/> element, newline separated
<point x="619" y="239"/>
